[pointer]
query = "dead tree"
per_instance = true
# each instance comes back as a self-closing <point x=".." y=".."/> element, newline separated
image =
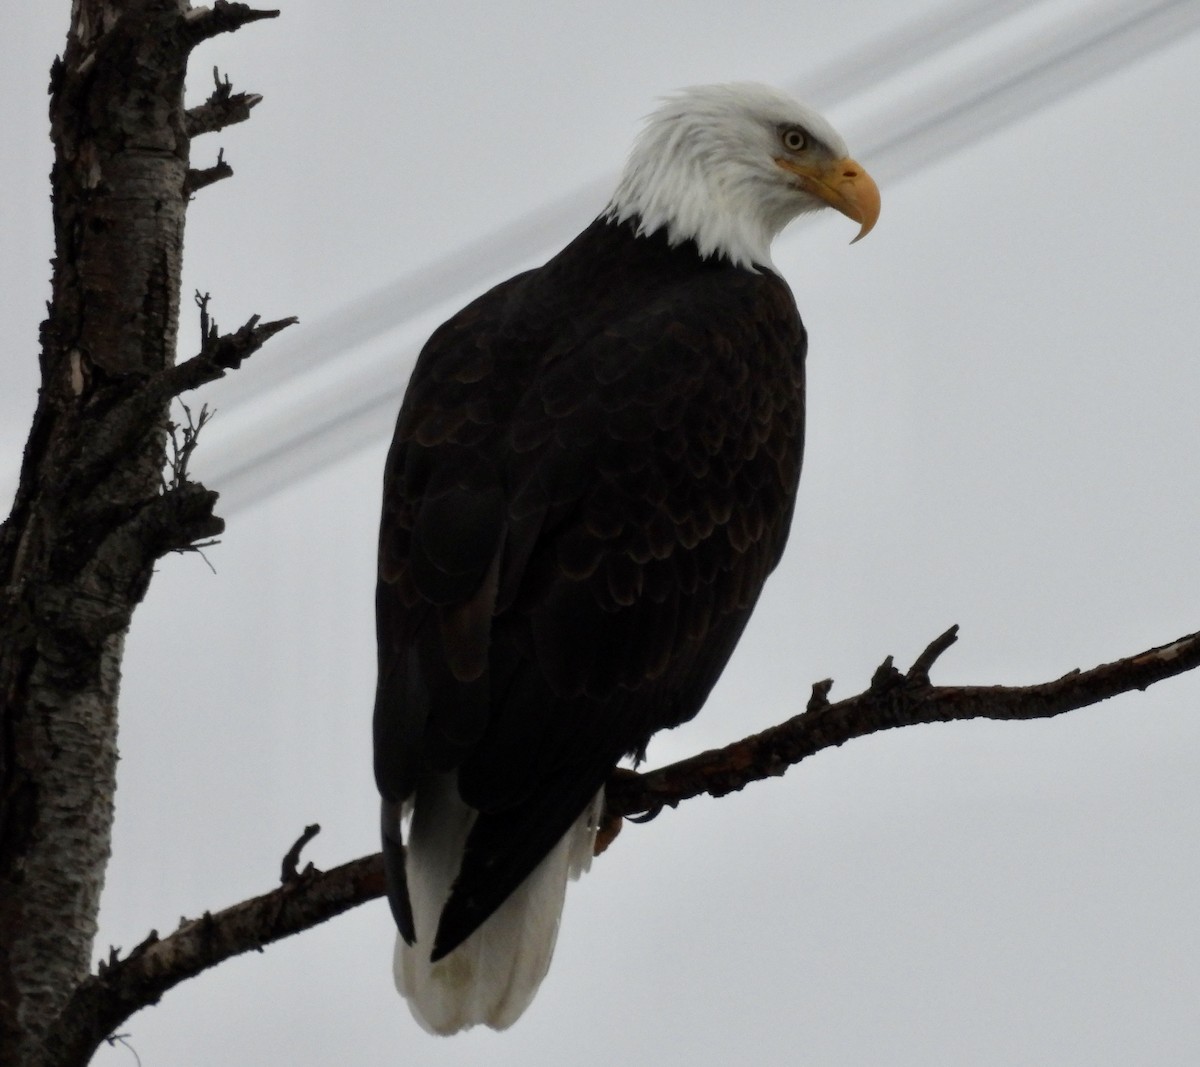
<point x="98" y="503"/>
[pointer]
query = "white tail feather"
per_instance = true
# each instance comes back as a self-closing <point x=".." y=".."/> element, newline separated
<point x="493" y="975"/>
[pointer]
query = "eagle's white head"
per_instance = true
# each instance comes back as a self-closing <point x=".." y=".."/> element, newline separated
<point x="728" y="166"/>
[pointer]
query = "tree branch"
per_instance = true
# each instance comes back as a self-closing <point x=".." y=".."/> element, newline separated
<point x="223" y="17"/>
<point x="218" y="353"/>
<point x="893" y="700"/>
<point x="116" y="430"/>
<point x="105" y="1000"/>
<point x="308" y="898"/>
<point x="227" y="351"/>
<point x="197" y="179"/>
<point x="223" y="108"/>
<point x="288" y="871"/>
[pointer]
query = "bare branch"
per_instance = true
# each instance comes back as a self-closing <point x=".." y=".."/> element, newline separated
<point x="228" y="350"/>
<point x="223" y="108"/>
<point x="919" y="671"/>
<point x="173" y="521"/>
<point x="223" y="17"/>
<point x="893" y="700"/>
<point x="820" y="695"/>
<point x="196" y="180"/>
<point x="104" y="1001"/>
<point x="122" y="1039"/>
<point x="183" y="440"/>
<point x="218" y="353"/>
<point x="310" y="897"/>
<point x="118" y="429"/>
<point x="291" y="859"/>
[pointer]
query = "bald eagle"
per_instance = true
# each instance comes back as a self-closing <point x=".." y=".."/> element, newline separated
<point x="593" y="472"/>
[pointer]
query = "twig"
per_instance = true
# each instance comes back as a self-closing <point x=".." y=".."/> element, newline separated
<point x="227" y="351"/>
<point x="195" y="180"/>
<point x="288" y="874"/>
<point x="201" y="23"/>
<point x="223" y="108"/>
<point x="218" y="353"/>
<point x="183" y="441"/>
<point x="820" y="695"/>
<point x="115" y="1039"/>
<point x="919" y="671"/>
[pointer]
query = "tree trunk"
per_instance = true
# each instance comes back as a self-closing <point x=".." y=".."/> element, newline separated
<point x="93" y="510"/>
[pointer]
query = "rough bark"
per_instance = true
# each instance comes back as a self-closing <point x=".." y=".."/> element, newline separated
<point x="93" y="510"/>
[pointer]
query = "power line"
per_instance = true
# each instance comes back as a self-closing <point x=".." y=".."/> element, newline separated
<point x="498" y="253"/>
<point x="1096" y="42"/>
<point x="1019" y="79"/>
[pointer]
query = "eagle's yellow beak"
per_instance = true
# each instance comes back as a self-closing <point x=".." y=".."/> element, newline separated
<point x="843" y="185"/>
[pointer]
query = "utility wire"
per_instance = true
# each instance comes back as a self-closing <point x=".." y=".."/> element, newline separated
<point x="1095" y="43"/>
<point x="498" y="253"/>
<point x="1019" y="80"/>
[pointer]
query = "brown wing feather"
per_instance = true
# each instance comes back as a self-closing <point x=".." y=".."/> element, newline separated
<point x="582" y="503"/>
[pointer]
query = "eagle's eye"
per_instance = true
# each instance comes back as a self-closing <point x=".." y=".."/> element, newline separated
<point x="794" y="139"/>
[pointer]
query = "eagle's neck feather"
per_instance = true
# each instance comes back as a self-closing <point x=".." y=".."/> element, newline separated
<point x="716" y="212"/>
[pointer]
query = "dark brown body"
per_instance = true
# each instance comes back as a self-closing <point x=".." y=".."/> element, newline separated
<point x="593" y="473"/>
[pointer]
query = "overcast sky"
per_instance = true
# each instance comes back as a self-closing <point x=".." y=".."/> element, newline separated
<point x="1003" y="410"/>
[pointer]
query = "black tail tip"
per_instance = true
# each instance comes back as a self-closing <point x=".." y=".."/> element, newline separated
<point x="397" y="889"/>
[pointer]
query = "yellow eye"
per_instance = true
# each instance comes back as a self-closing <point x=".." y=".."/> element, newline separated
<point x="794" y="139"/>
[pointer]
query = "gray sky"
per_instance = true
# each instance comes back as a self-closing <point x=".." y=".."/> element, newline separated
<point x="1003" y="383"/>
